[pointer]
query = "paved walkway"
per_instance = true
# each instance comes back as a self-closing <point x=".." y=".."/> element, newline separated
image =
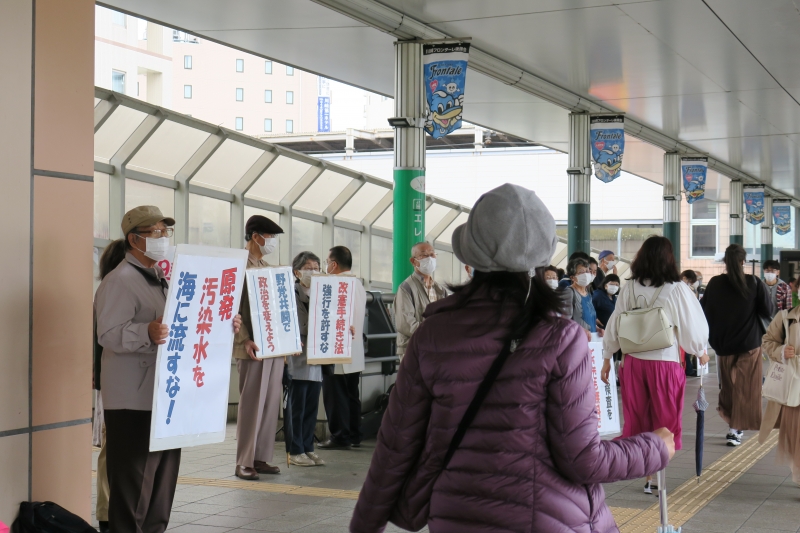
<point x="741" y="489"/>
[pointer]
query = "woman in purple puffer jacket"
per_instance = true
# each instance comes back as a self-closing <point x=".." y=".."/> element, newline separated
<point x="532" y="459"/>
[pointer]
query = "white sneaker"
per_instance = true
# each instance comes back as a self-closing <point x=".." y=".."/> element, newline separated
<point x="301" y="460"/>
<point x="316" y="458"/>
<point x="734" y="438"/>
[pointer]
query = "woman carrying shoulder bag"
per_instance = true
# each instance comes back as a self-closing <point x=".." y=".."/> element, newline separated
<point x="735" y="304"/>
<point x="652" y="379"/>
<point x="528" y="457"/>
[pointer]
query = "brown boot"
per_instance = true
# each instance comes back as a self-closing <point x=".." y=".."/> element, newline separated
<point x="245" y="472"/>
<point x="265" y="468"/>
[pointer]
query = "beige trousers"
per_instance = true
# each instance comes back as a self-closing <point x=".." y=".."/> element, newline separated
<point x="260" y="388"/>
<point x="101" y="509"/>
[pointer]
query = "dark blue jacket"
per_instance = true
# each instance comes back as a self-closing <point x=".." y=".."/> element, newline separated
<point x="603" y="305"/>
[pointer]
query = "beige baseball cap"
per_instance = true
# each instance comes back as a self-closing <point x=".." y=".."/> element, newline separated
<point x="143" y="216"/>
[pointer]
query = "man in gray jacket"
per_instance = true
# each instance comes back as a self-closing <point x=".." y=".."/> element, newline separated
<point x="415" y="293"/>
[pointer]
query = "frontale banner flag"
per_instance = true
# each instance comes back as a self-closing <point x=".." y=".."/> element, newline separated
<point x="273" y="311"/>
<point x="444" y="74"/>
<point x="607" y="137"/>
<point x="330" y="316"/>
<point x="605" y="395"/>
<point x="782" y="216"/>
<point x="192" y="370"/>
<point x="754" y="204"/>
<point x="694" y="171"/>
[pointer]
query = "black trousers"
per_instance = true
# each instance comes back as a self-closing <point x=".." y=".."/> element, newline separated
<point x="343" y="407"/>
<point x="142" y="483"/>
<point x="305" y="405"/>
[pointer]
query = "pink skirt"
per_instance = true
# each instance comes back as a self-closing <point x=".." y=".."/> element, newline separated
<point x="652" y="397"/>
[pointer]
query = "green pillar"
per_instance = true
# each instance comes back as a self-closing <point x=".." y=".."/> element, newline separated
<point x="737" y="220"/>
<point x="579" y="173"/>
<point x="766" y="254"/>
<point x="578" y="231"/>
<point x="409" y="221"/>
<point x="672" y="231"/>
<point x="737" y="239"/>
<point x="671" y="228"/>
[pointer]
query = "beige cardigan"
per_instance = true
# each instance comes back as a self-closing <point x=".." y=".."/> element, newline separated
<point x="772" y="345"/>
<point x="409" y="305"/>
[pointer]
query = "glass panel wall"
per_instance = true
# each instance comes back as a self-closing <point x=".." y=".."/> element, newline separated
<point x="209" y="221"/>
<point x="352" y="240"/>
<point x="444" y="267"/>
<point x="101" y="206"/>
<point x="381" y="260"/>
<point x="140" y="193"/>
<point x="307" y="236"/>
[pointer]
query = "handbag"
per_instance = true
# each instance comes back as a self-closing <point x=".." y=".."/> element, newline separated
<point x="782" y="383"/>
<point x="413" y="505"/>
<point x="643" y="329"/>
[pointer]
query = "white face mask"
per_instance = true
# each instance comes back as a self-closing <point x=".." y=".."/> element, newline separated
<point x="305" y="278"/>
<point x="696" y="284"/>
<point x="770" y="276"/>
<point x="427" y="265"/>
<point x="612" y="289"/>
<point x="592" y="277"/>
<point x="269" y="246"/>
<point x="610" y="264"/>
<point x="156" y="249"/>
<point x="584" y="279"/>
<point x="552" y="283"/>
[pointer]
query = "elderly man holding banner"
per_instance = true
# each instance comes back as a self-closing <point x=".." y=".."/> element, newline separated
<point x="259" y="379"/>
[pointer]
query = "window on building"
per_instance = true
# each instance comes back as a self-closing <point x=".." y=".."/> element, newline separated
<point x="703" y="238"/>
<point x="120" y="19"/>
<point x="267" y="67"/>
<point x="187" y="91"/>
<point x="118" y="81"/>
<point x="240" y="65"/>
<point x="240" y="95"/>
<point x="187" y="61"/>
<point x="267" y="124"/>
<point x="267" y="96"/>
<point x="290" y="126"/>
<point x="289" y="71"/>
<point x="239" y="123"/>
<point x="289" y="97"/>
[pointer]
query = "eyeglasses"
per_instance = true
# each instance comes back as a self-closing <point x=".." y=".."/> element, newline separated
<point x="157" y="233"/>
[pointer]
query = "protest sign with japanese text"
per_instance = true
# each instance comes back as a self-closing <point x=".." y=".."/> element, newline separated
<point x="273" y="311"/>
<point x="330" y="316"/>
<point x="606" y="400"/>
<point x="190" y="397"/>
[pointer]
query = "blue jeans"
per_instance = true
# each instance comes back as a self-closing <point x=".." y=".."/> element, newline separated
<point x="305" y="404"/>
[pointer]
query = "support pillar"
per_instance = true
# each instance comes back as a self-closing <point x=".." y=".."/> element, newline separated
<point x="580" y="174"/>
<point x="672" y="202"/>
<point x="737" y="220"/>
<point x="766" y="233"/>
<point x="409" y="159"/>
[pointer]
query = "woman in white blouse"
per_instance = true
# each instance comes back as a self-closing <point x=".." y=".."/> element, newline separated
<point x="653" y="382"/>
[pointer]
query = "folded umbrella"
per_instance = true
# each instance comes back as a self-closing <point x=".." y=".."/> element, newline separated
<point x="700" y="406"/>
<point x="287" y="412"/>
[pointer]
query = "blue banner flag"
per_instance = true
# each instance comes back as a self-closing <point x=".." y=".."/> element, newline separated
<point x="754" y="204"/>
<point x="782" y="216"/>
<point x="323" y="113"/>
<point x="444" y="74"/>
<point x="607" y="137"/>
<point x="694" y="170"/>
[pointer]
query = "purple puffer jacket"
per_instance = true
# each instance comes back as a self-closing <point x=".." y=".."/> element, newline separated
<point x="532" y="460"/>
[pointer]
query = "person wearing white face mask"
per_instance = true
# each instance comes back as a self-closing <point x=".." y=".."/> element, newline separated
<point x="780" y="293"/>
<point x="415" y="293"/>
<point x="551" y="277"/>
<point x="583" y="311"/>
<point x="605" y="299"/>
<point x="606" y="264"/>
<point x="260" y="380"/>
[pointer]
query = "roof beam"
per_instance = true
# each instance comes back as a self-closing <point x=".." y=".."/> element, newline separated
<point x="443" y="224"/>
<point x="244" y="184"/>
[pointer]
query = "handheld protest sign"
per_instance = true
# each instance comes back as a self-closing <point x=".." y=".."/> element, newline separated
<point x="192" y="373"/>
<point x="167" y="262"/>
<point x="606" y="400"/>
<point x="330" y="316"/>
<point x="273" y="311"/>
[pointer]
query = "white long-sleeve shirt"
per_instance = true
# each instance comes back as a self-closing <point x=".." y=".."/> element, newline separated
<point x="682" y="309"/>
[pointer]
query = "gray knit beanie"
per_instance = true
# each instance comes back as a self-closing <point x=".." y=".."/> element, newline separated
<point x="509" y="229"/>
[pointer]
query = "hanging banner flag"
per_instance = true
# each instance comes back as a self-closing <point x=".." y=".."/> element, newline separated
<point x="192" y="371"/>
<point x="323" y="114"/>
<point x="754" y="204"/>
<point x="607" y="137"/>
<point x="694" y="170"/>
<point x="273" y="311"/>
<point x="444" y="68"/>
<point x="782" y="216"/>
<point x="605" y="396"/>
<point x="330" y="316"/>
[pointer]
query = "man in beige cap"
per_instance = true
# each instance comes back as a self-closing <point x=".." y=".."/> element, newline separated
<point x="129" y="305"/>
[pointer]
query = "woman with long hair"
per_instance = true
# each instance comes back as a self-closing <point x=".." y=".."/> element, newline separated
<point x="735" y="305"/>
<point x="528" y="457"/>
<point x="653" y="382"/>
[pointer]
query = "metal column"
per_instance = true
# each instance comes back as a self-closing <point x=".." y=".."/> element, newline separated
<point x="737" y="202"/>
<point x="579" y="173"/>
<point x="766" y="233"/>
<point x="672" y="202"/>
<point x="409" y="159"/>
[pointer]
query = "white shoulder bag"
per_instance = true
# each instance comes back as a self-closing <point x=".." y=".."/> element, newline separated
<point x="782" y="383"/>
<point x="643" y="329"/>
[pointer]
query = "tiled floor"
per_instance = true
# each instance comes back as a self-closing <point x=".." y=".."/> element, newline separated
<point x="764" y="499"/>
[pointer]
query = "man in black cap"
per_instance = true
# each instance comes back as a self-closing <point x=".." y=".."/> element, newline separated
<point x="260" y="380"/>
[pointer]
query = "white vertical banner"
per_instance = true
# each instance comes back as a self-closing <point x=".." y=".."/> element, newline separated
<point x="605" y="396"/>
<point x="273" y="311"/>
<point x="190" y="397"/>
<point x="330" y="316"/>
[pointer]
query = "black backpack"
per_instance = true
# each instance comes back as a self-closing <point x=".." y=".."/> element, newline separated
<point x="48" y="517"/>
